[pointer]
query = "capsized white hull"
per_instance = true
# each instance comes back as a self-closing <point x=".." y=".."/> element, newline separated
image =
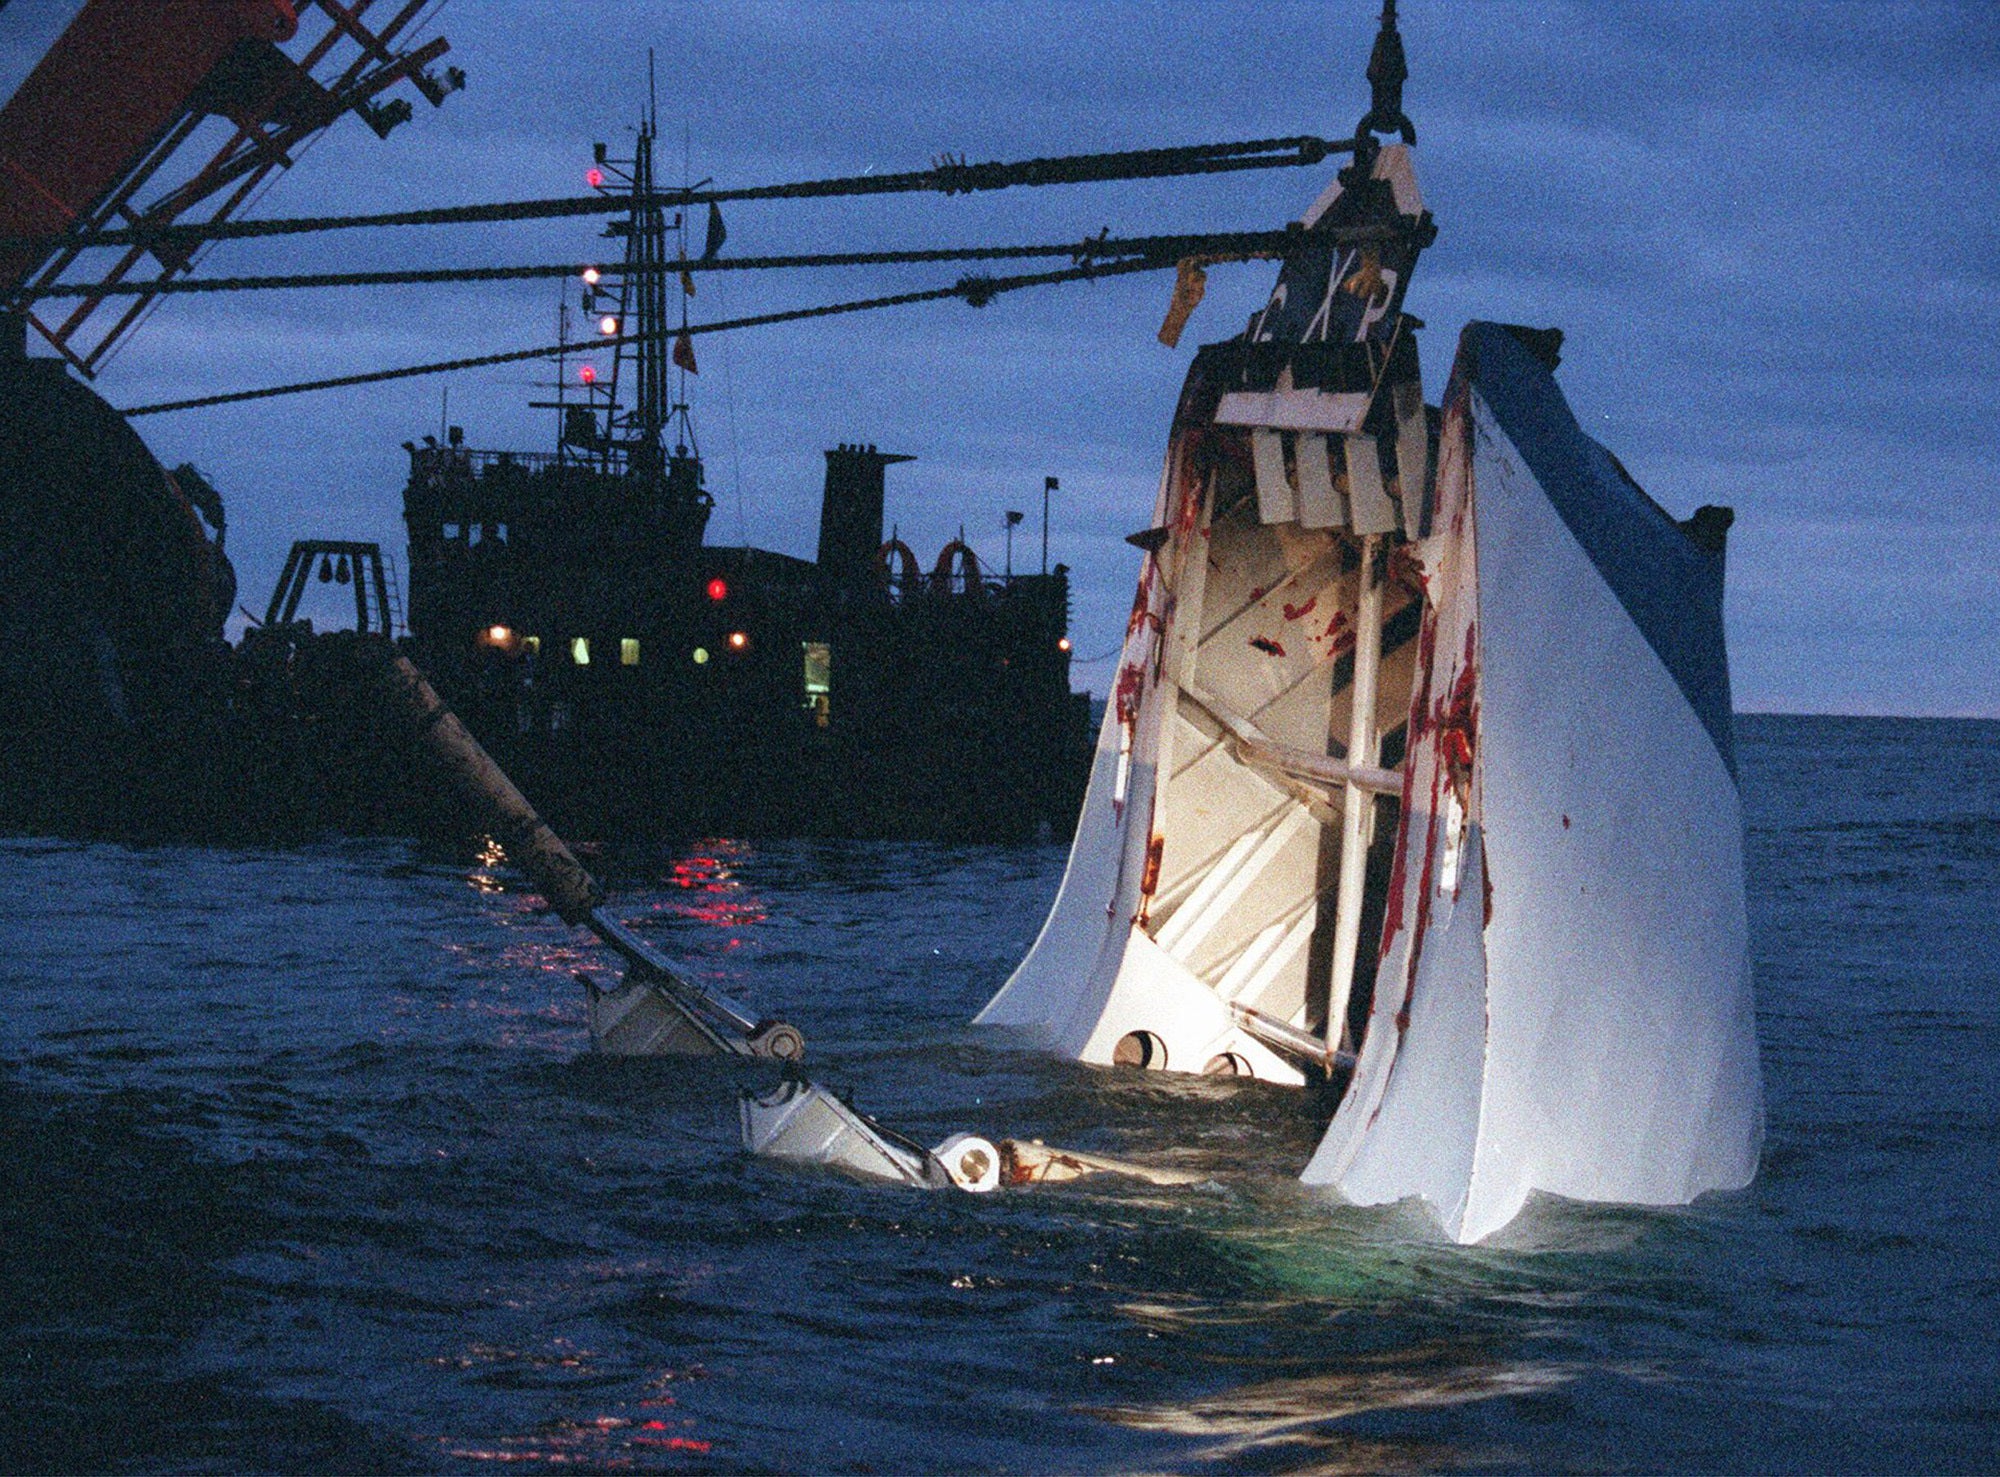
<point x="1531" y="949"/>
<point x="1564" y="998"/>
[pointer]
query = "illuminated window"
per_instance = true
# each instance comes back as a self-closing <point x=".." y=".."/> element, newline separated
<point x="628" y="651"/>
<point x="819" y="680"/>
<point x="819" y="669"/>
<point x="532" y="645"/>
<point x="579" y="650"/>
<point x="450" y="530"/>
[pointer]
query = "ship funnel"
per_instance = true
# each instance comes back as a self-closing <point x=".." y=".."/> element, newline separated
<point x="850" y="511"/>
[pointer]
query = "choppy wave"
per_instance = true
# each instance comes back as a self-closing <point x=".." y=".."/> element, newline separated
<point x="305" y="1168"/>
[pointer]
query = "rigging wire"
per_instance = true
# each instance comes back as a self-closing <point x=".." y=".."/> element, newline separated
<point x="1162" y="249"/>
<point x="948" y="176"/>
<point x="1102" y="656"/>
<point x="977" y="291"/>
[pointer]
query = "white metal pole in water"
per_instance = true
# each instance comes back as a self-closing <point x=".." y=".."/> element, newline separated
<point x="1362" y="744"/>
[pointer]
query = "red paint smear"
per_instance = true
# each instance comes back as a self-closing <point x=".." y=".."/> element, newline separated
<point x="1260" y="592"/>
<point x="1392" y="913"/>
<point x="1339" y="620"/>
<point x="1266" y="644"/>
<point x="1300" y="612"/>
<point x="1457" y="717"/>
<point x="1126" y="696"/>
<point x="1424" y="883"/>
<point x="1408" y="571"/>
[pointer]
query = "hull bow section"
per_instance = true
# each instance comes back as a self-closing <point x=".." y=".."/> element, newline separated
<point x="1418" y="772"/>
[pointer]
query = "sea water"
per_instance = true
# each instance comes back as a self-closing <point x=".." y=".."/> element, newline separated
<point x="304" y="1165"/>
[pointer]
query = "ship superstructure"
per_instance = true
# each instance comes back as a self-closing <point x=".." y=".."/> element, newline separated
<point x="635" y="677"/>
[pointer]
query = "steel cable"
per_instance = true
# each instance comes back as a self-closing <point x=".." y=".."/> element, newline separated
<point x="1159" y="249"/>
<point x="975" y="290"/>
<point x="948" y="176"/>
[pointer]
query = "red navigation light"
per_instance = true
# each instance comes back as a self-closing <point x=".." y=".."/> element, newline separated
<point x="588" y="374"/>
<point x="593" y="177"/>
<point x="718" y="589"/>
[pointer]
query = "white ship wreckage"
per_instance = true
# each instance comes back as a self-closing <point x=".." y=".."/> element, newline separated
<point x="1419" y="769"/>
<point x="1418" y="780"/>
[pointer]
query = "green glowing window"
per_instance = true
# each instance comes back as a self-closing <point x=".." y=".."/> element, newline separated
<point x="819" y="669"/>
<point x="818" y="679"/>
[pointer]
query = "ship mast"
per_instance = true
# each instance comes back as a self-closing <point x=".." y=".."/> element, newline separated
<point x="628" y="305"/>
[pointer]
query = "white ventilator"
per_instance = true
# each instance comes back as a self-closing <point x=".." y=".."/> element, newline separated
<point x="1418" y="768"/>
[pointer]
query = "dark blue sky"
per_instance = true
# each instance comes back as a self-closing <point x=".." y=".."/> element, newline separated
<point x="1769" y="232"/>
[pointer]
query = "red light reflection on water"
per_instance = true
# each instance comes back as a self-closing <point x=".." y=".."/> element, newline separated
<point x="599" y="1443"/>
<point x="723" y="901"/>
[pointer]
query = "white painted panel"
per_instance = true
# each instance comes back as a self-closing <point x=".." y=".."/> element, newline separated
<point x="1320" y="502"/>
<point x="1426" y="1126"/>
<point x="1276" y="502"/>
<point x="1413" y="453"/>
<point x="1153" y="992"/>
<point x="1622" y="1063"/>
<point x="1292" y="410"/>
<point x="1367" y="499"/>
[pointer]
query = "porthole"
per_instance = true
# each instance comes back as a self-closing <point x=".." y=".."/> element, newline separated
<point x="1140" y="1049"/>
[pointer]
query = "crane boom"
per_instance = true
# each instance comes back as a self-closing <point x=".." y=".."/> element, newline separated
<point x="133" y="89"/>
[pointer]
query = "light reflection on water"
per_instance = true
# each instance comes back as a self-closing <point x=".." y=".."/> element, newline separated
<point x="308" y="1168"/>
